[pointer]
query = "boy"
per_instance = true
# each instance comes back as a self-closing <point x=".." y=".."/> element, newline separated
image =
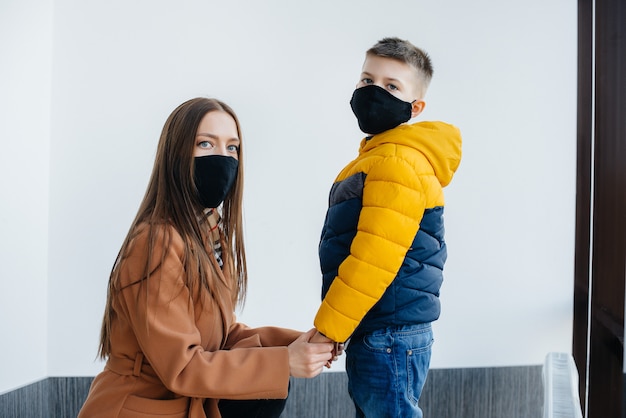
<point x="382" y="247"/>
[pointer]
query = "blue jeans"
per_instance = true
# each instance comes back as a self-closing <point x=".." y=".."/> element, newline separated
<point x="387" y="370"/>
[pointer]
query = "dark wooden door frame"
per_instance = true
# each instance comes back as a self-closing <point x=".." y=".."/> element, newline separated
<point x="600" y="262"/>
<point x="583" y="192"/>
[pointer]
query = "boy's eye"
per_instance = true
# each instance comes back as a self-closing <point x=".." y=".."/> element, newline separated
<point x="392" y="87"/>
<point x="367" y="81"/>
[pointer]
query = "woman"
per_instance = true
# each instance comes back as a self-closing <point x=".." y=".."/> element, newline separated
<point x="169" y="334"/>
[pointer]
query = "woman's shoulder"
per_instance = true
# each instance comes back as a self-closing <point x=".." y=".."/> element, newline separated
<point x="163" y="236"/>
<point x="150" y="245"/>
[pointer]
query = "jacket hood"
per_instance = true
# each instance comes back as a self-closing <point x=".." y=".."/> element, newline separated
<point x="439" y="142"/>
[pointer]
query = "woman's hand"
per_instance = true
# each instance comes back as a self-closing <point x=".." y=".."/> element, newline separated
<point x="337" y="347"/>
<point x="306" y="358"/>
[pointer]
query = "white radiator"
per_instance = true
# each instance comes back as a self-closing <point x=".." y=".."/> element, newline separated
<point x="560" y="385"/>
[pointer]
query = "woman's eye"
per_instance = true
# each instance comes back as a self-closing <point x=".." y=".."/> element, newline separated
<point x="205" y="144"/>
<point x="367" y="81"/>
<point x="233" y="148"/>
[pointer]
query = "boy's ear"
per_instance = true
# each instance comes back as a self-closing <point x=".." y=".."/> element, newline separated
<point x="417" y="107"/>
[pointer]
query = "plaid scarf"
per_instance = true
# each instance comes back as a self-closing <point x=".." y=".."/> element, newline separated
<point x="215" y="225"/>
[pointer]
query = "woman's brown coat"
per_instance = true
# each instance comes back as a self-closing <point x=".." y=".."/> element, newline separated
<point x="171" y="357"/>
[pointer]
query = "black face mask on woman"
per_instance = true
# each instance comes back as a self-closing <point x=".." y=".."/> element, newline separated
<point x="377" y="110"/>
<point x="214" y="176"/>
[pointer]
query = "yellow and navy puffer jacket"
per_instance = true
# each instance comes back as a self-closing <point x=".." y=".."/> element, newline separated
<point x="382" y="248"/>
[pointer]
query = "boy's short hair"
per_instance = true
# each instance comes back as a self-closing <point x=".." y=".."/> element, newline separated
<point x="405" y="51"/>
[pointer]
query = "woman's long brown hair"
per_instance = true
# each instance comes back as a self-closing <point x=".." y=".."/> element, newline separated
<point x="171" y="200"/>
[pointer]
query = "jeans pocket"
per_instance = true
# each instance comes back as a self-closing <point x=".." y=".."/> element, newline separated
<point x="417" y="363"/>
<point x="378" y="342"/>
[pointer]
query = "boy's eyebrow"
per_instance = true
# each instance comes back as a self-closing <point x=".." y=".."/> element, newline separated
<point x="386" y="78"/>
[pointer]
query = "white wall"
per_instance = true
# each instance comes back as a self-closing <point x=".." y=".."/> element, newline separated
<point x="25" y="84"/>
<point x="504" y="73"/>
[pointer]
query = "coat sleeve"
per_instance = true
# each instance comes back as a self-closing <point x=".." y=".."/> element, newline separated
<point x="161" y="315"/>
<point x="241" y="335"/>
<point x="393" y="206"/>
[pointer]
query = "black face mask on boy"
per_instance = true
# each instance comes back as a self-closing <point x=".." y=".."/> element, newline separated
<point x="214" y="176"/>
<point x="377" y="110"/>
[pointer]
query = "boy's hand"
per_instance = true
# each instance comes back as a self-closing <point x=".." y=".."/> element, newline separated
<point x="337" y="351"/>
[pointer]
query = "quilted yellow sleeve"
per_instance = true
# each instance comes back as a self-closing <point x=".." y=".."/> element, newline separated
<point x="393" y="206"/>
